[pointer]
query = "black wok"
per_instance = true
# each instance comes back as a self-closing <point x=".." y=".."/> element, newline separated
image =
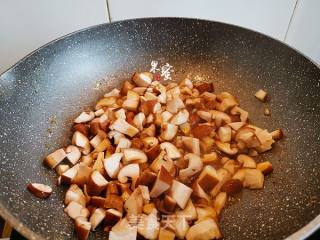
<point x="42" y="93"/>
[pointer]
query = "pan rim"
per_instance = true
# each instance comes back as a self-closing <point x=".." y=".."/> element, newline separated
<point x="302" y="233"/>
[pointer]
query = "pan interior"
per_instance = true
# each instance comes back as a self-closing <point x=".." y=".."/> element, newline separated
<point x="41" y="95"/>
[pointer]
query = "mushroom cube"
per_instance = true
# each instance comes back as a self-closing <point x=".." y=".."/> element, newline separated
<point x="265" y="167"/>
<point x="132" y="101"/>
<point x="96" y="183"/>
<point x="204" y="230"/>
<point x="73" y="154"/>
<point x="143" y="79"/>
<point x="246" y="161"/>
<point x="251" y="178"/>
<point x="224" y="134"/>
<point x="191" y="144"/>
<point x="162" y="183"/>
<point x="82" y="228"/>
<point x="123" y="231"/>
<point x="261" y="95"/>
<point x="180" y="193"/>
<point x="148" y="226"/>
<point x="208" y="178"/>
<point x="75" y="209"/>
<point x="122" y="126"/>
<point x="97" y="217"/>
<point x="53" y="159"/>
<point x="81" y="141"/>
<point x="112" y="217"/>
<point x="112" y="164"/>
<point x="220" y="202"/>
<point x="165" y="234"/>
<point x="75" y="194"/>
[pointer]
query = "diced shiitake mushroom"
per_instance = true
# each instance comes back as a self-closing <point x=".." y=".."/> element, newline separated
<point x="124" y="127"/>
<point x="170" y="149"/>
<point x="40" y="190"/>
<point x="133" y="154"/>
<point x="180" y="193"/>
<point x="73" y="154"/>
<point x="153" y="149"/>
<point x="82" y="228"/>
<point x="194" y="166"/>
<point x="148" y="225"/>
<point x="112" y="164"/>
<point x="204" y="230"/>
<point x="261" y="95"/>
<point x="53" y="159"/>
<point x="84" y="117"/>
<point x="162" y="183"/>
<point x="123" y="231"/>
<point x="142" y="79"/>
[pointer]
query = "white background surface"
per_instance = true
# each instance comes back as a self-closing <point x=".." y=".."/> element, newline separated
<point x="27" y="24"/>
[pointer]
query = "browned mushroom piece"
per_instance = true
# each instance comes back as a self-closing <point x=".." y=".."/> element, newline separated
<point x="40" y="190"/>
<point x="153" y="149"/>
<point x="162" y="183"/>
<point x="82" y="228"/>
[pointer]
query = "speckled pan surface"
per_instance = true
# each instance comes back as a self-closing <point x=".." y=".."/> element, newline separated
<point x="42" y="93"/>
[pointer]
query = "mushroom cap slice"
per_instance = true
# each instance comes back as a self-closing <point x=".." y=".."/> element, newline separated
<point x="194" y="166"/>
<point x="134" y="154"/>
<point x="169" y="131"/>
<point x="226" y="148"/>
<point x="180" y="118"/>
<point x="84" y="117"/>
<point x="40" y="190"/>
<point x="129" y="171"/>
<point x="170" y="149"/>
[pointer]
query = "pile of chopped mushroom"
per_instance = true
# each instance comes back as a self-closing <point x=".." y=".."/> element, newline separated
<point x="159" y="161"/>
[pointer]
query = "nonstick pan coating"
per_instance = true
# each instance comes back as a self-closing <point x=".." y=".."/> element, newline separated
<point x="42" y="93"/>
